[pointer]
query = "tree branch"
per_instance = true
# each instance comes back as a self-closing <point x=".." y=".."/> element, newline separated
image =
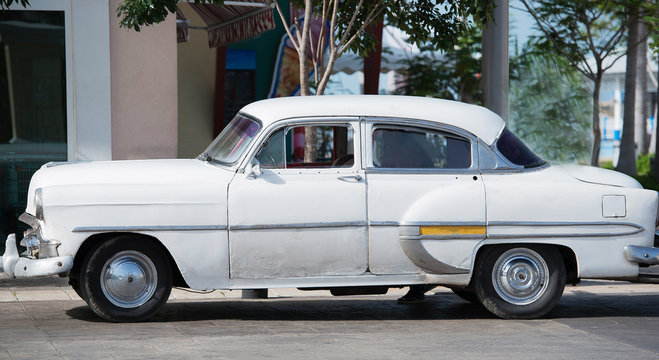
<point x="288" y="30"/>
<point x="549" y="31"/>
<point x="377" y="9"/>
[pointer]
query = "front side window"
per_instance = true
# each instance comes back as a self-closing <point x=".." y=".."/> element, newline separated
<point x="411" y="148"/>
<point x="318" y="146"/>
<point x="516" y="151"/>
<point x="233" y="140"/>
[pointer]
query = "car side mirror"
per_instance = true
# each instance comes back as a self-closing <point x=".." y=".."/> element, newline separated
<point x="254" y="169"/>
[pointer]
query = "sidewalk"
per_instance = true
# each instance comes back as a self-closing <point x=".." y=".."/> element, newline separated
<point x="56" y="288"/>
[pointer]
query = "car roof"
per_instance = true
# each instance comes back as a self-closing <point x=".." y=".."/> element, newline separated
<point x="475" y="119"/>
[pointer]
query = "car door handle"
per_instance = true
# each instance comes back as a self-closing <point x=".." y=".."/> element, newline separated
<point x="350" y="177"/>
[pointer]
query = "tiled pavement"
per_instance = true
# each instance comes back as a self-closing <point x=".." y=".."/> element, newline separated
<point x="44" y="318"/>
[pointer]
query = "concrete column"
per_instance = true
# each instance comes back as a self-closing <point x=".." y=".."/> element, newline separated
<point x="495" y="61"/>
<point x="144" y="89"/>
<point x="641" y="104"/>
<point x="88" y="72"/>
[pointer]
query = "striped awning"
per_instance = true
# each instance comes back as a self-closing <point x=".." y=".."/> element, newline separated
<point x="182" y="23"/>
<point x="234" y="21"/>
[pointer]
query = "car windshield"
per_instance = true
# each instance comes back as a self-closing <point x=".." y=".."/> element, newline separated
<point x="514" y="150"/>
<point x="232" y="141"/>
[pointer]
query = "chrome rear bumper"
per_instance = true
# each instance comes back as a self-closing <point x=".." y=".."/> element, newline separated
<point x="642" y="254"/>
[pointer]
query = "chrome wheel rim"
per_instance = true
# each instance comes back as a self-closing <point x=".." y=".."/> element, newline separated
<point x="129" y="279"/>
<point x="520" y="276"/>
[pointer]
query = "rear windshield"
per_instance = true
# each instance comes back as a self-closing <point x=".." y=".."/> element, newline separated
<point x="516" y="152"/>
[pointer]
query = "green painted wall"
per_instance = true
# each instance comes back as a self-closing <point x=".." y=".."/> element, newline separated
<point x="266" y="46"/>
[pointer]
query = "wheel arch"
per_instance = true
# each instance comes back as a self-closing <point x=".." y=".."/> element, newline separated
<point x="95" y="240"/>
<point x="568" y="255"/>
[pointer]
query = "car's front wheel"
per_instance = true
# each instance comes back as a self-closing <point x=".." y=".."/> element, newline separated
<point x="126" y="279"/>
<point x="520" y="281"/>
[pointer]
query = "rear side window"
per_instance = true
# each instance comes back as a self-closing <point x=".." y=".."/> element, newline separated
<point x="412" y="148"/>
<point x="516" y="151"/>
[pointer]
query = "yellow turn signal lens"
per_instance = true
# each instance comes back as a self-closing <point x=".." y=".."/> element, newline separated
<point x="452" y="230"/>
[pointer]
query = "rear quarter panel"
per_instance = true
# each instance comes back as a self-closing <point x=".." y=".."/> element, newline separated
<point x="550" y="206"/>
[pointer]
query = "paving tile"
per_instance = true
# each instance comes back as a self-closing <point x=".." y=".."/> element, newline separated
<point x="41" y="295"/>
<point x="6" y="295"/>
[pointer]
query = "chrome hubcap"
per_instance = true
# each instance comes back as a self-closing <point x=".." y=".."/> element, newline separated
<point x="520" y="276"/>
<point x="129" y="279"/>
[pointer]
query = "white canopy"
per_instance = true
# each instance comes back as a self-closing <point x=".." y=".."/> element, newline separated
<point x="395" y="49"/>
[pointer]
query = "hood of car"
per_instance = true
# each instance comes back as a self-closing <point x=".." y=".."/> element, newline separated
<point x="132" y="181"/>
<point x="601" y="176"/>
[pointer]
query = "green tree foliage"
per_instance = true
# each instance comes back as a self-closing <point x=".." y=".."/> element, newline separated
<point x="577" y="31"/>
<point x="588" y="35"/>
<point x="547" y="102"/>
<point x="436" y="22"/>
<point x="454" y="74"/>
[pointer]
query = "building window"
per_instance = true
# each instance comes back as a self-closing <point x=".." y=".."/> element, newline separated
<point x="32" y="104"/>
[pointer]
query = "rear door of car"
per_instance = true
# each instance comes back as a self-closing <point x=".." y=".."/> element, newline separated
<point x="423" y="186"/>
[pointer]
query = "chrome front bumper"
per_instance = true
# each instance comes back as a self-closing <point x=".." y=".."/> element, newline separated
<point x="16" y="266"/>
<point x="642" y="254"/>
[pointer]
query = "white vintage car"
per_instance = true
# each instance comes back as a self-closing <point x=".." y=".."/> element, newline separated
<point x="354" y="194"/>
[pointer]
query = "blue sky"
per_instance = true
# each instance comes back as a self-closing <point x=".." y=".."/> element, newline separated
<point x="521" y="23"/>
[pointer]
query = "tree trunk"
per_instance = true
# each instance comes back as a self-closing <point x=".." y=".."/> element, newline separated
<point x="655" y="169"/>
<point x="302" y="52"/>
<point x="641" y="112"/>
<point x="373" y="60"/>
<point x="627" y="159"/>
<point x="309" y="133"/>
<point x="597" y="134"/>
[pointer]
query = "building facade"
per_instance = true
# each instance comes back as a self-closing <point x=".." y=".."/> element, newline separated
<point x="76" y="87"/>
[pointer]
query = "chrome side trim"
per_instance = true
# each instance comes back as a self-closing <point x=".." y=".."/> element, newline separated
<point x="502" y="170"/>
<point x="558" y="235"/>
<point x="265" y="133"/>
<point x="413" y="171"/>
<point x="538" y="223"/>
<point x="384" y="223"/>
<point x="635" y="229"/>
<point x="487" y="160"/>
<point x="374" y="122"/>
<point x="410" y="122"/>
<point x="298" y="226"/>
<point x="148" y="228"/>
<point x="444" y="237"/>
<point x="426" y="223"/>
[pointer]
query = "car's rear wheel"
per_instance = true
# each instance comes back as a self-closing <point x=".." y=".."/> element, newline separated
<point x="520" y="281"/>
<point x="126" y="279"/>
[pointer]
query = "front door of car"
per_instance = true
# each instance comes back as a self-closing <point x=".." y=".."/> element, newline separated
<point x="305" y="213"/>
<point x="426" y="199"/>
